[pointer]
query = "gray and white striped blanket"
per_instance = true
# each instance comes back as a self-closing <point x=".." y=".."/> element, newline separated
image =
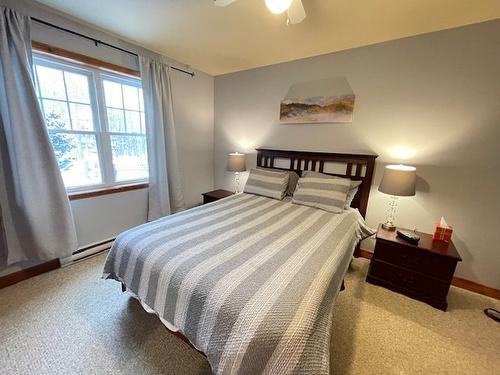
<point x="249" y="280"/>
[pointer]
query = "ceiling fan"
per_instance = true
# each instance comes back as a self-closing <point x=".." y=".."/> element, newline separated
<point x="295" y="9"/>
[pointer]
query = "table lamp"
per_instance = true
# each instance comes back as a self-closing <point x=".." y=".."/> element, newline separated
<point x="236" y="164"/>
<point x="397" y="181"/>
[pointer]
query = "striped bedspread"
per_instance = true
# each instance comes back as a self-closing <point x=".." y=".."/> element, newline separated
<point x="249" y="280"/>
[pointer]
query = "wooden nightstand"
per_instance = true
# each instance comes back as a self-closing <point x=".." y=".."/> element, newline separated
<point x="215" y="195"/>
<point x="423" y="272"/>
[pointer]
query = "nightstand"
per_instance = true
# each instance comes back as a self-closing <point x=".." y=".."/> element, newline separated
<point x="423" y="271"/>
<point x="215" y="195"/>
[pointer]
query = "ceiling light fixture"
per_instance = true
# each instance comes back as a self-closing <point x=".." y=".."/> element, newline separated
<point x="278" y="6"/>
<point x="296" y="11"/>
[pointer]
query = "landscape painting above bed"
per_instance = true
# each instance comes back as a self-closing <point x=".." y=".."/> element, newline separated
<point x="318" y="109"/>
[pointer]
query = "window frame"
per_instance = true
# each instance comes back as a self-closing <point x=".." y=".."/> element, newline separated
<point x="95" y="76"/>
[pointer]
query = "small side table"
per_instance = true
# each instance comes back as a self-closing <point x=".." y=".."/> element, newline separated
<point x="423" y="271"/>
<point x="215" y="195"/>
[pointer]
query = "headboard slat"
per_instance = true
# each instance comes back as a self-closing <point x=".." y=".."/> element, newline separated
<point x="348" y="171"/>
<point x="359" y="167"/>
<point x="266" y="157"/>
<point x="321" y="166"/>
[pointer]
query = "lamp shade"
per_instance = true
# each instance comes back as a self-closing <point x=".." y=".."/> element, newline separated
<point x="236" y="162"/>
<point x="278" y="6"/>
<point x="399" y="180"/>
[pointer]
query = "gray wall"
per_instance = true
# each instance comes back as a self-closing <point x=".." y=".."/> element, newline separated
<point x="104" y="217"/>
<point x="431" y="101"/>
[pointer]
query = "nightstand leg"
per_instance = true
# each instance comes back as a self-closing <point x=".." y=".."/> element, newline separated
<point x="357" y="252"/>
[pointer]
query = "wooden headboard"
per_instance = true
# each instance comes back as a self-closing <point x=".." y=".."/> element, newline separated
<point x="354" y="166"/>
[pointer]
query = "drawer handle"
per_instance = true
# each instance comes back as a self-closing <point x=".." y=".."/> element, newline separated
<point x="411" y="260"/>
<point x="409" y="280"/>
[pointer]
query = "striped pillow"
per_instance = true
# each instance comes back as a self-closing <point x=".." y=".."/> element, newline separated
<point x="352" y="193"/>
<point x="293" y="178"/>
<point x="272" y="184"/>
<point x="318" y="190"/>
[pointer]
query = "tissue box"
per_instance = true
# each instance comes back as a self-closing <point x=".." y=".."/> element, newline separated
<point x="443" y="233"/>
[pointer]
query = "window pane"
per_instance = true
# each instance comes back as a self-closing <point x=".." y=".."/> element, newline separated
<point x="77" y="86"/>
<point x="56" y="114"/>
<point x="37" y="90"/>
<point x="116" y="121"/>
<point x="143" y="123"/>
<point x="113" y="94"/>
<point x="77" y="158"/>
<point x="51" y="83"/>
<point x="133" y="122"/>
<point x="130" y="159"/>
<point x="141" y="100"/>
<point x="81" y="116"/>
<point x="130" y="97"/>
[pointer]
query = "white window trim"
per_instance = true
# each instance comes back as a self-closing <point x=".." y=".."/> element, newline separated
<point x="101" y="128"/>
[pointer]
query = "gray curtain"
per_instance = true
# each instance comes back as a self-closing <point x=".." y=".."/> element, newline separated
<point x="165" y="190"/>
<point x="35" y="209"/>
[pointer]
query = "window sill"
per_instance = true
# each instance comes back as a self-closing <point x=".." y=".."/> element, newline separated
<point x="105" y="191"/>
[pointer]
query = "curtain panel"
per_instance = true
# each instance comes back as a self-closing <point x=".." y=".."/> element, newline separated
<point x="36" y="214"/>
<point x="165" y="188"/>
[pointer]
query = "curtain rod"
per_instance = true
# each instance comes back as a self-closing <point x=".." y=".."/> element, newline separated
<point x="97" y="42"/>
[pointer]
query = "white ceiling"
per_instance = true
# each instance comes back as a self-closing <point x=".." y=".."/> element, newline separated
<point x="246" y="35"/>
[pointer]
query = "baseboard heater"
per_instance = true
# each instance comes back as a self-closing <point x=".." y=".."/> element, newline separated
<point x="88" y="251"/>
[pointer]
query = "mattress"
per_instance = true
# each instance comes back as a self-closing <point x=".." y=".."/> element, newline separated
<point x="249" y="280"/>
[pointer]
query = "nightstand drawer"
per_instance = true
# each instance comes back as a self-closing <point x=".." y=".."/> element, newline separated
<point x="208" y="199"/>
<point x="409" y="280"/>
<point x="405" y="256"/>
<point x="215" y="195"/>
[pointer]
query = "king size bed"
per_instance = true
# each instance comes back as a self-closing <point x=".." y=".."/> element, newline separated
<point x="250" y="280"/>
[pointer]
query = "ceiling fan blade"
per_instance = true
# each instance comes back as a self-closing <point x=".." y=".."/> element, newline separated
<point x="223" y="3"/>
<point x="296" y="12"/>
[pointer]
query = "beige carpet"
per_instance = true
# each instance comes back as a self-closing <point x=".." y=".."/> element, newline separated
<point x="70" y="321"/>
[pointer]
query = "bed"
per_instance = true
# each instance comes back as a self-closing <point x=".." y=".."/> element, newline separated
<point x="250" y="281"/>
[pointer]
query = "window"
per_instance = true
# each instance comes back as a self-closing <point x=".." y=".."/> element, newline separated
<point x="127" y="129"/>
<point x="95" y="121"/>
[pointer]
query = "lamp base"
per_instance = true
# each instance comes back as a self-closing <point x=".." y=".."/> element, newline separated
<point x="236" y="182"/>
<point x="389" y="222"/>
<point x="389" y="226"/>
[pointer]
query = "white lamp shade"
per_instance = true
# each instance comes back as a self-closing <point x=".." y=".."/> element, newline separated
<point x="278" y="6"/>
<point x="236" y="162"/>
<point x="399" y="180"/>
